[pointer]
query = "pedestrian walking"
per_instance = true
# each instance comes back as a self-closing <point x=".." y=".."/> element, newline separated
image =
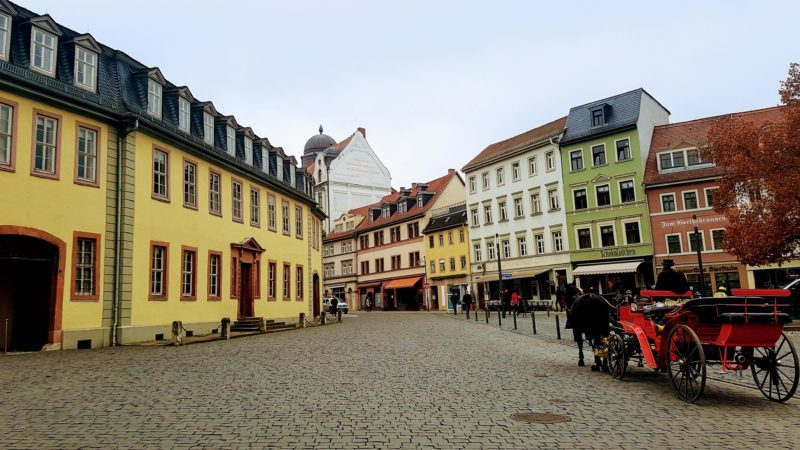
<point x="515" y="301"/>
<point x="467" y="301"/>
<point x="368" y="301"/>
<point x="506" y="302"/>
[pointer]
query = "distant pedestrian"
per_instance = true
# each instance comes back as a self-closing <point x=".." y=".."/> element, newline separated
<point x="368" y="301"/>
<point x="467" y="301"/>
<point x="506" y="302"/>
<point x="515" y="301"/>
<point x="722" y="292"/>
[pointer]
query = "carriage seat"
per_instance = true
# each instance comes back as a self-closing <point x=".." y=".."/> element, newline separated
<point x="657" y="311"/>
<point x="754" y="317"/>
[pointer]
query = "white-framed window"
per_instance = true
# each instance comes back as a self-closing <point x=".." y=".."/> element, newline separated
<point x="236" y="200"/>
<point x="298" y="222"/>
<point x="709" y="193"/>
<point x="285" y="217"/>
<point x="255" y="207"/>
<point x="515" y="171"/>
<point x="576" y="160"/>
<point x="690" y="200"/>
<point x="717" y="235"/>
<point x="208" y="128"/>
<point x="531" y="166"/>
<point x="522" y="245"/>
<point x="475" y="217"/>
<point x="441" y="265"/>
<point x="461" y="235"/>
<point x="43" y="51"/>
<point x="580" y="198"/>
<point x="671" y="160"/>
<point x="539" y="240"/>
<point x="599" y="155"/>
<point x="693" y="238"/>
<point x="184" y="108"/>
<point x="506" y="245"/>
<point x="85" y="283"/>
<point x="476" y="248"/>
<point x="584" y="235"/>
<point x="5" y="32"/>
<point x="402" y="207"/>
<point x="87" y="155"/>
<point x="487" y="214"/>
<point x="272" y="276"/>
<point x="463" y="262"/>
<point x="603" y="195"/>
<point x="632" y="232"/>
<point x="6" y="129"/>
<point x="85" y="68"/>
<point x="298" y="281"/>
<point x="491" y="250"/>
<point x="420" y="202"/>
<point x="502" y="210"/>
<point x="214" y="193"/>
<point x="667" y="202"/>
<point x="230" y="140"/>
<point x="674" y="244"/>
<point x="158" y="265"/>
<point x="188" y="273"/>
<point x="347" y="267"/>
<point x="46" y="150"/>
<point x="607" y="235"/>
<point x="154" y="97"/>
<point x="248" y="150"/>
<point x="485" y="180"/>
<point x="558" y="243"/>
<point x="552" y="194"/>
<point x="385" y="212"/>
<point x="472" y="184"/>
<point x="536" y="205"/>
<point x="550" y="160"/>
<point x="519" y="208"/>
<point x="213" y="275"/>
<point x="500" y="176"/>
<point x="623" y="149"/>
<point x="627" y="192"/>
<point x="189" y="184"/>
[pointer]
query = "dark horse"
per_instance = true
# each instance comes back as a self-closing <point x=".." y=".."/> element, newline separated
<point x="590" y="317"/>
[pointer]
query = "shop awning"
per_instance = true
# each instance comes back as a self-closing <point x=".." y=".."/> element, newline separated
<point x="600" y="269"/>
<point x="527" y="273"/>
<point x="402" y="283"/>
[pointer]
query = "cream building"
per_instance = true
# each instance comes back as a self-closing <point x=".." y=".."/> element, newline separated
<point x="340" y="260"/>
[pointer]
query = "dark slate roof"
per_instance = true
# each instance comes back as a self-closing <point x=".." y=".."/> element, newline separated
<point x="621" y="113"/>
<point x="121" y="95"/>
<point x="449" y="217"/>
<point x="510" y="146"/>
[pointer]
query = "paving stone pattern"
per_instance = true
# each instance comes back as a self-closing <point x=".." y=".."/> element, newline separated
<point x="404" y="380"/>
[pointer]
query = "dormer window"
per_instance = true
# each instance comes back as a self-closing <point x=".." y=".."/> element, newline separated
<point x="420" y="202"/>
<point x="85" y="68"/>
<point x="598" y="115"/>
<point x="208" y="128"/>
<point x="401" y="207"/>
<point x="386" y="212"/>
<point x="230" y="140"/>
<point x="5" y="32"/>
<point x="184" y="108"/>
<point x="43" y="51"/>
<point x="248" y="150"/>
<point x="154" y="97"/>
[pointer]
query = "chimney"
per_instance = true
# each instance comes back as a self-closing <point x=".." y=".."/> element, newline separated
<point x="363" y="132"/>
<point x="451" y="171"/>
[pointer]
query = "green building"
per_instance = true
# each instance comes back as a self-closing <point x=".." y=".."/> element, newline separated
<point x="603" y="155"/>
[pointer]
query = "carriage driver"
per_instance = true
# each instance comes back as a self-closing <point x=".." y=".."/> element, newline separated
<point x="671" y="280"/>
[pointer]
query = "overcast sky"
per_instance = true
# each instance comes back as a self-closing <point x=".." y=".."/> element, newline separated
<point x="434" y="82"/>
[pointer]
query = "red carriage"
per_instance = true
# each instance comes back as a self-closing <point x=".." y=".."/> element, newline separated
<point x="738" y="332"/>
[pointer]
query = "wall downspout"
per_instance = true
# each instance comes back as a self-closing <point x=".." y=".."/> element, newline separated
<point x="121" y="135"/>
<point x="328" y="194"/>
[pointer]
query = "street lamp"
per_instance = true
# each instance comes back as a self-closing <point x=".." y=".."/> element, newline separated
<point x="499" y="272"/>
<point x="698" y="242"/>
<point x="427" y="291"/>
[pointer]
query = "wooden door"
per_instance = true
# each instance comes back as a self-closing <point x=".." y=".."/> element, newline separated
<point x="246" y="294"/>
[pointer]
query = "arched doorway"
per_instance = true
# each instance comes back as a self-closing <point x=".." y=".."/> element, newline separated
<point x="31" y="287"/>
<point x="315" y="294"/>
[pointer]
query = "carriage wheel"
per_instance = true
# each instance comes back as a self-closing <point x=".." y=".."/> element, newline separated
<point x="617" y="361"/>
<point x="775" y="370"/>
<point x="686" y="362"/>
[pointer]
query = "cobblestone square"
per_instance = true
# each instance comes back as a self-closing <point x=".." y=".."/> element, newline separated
<point x="379" y="380"/>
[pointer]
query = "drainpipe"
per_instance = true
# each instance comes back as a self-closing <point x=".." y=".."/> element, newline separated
<point x="328" y="193"/>
<point x="122" y="133"/>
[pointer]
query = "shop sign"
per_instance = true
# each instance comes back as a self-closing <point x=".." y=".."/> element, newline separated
<point x="692" y="222"/>
<point x="617" y="252"/>
<point x="695" y="269"/>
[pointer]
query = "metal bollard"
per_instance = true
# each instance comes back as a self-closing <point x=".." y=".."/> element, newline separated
<point x="302" y="320"/>
<point x="225" y="328"/>
<point x="323" y="318"/>
<point x="533" y="321"/>
<point x="558" y="328"/>
<point x="499" y="319"/>
<point x="514" y="313"/>
<point x="339" y="315"/>
<point x="177" y="339"/>
<point x="5" y="338"/>
<point x="476" y="313"/>
<point x="548" y="310"/>
<point x="486" y="310"/>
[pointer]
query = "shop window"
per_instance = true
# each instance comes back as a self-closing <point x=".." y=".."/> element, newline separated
<point x="728" y="279"/>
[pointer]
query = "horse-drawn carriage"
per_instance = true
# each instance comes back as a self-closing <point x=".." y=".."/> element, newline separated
<point x="738" y="332"/>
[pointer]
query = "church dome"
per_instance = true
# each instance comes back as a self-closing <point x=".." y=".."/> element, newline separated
<point x="318" y="142"/>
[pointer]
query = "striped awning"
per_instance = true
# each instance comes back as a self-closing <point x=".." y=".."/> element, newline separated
<point x="402" y="283"/>
<point x="614" y="267"/>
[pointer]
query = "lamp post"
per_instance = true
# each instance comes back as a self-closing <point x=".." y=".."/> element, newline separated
<point x="499" y="273"/>
<point x="427" y="291"/>
<point x="698" y="242"/>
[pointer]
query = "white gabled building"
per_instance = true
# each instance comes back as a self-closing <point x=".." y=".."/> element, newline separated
<point x="347" y="175"/>
<point x="514" y="201"/>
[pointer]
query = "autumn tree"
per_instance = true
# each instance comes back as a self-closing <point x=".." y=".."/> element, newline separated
<point x="760" y="191"/>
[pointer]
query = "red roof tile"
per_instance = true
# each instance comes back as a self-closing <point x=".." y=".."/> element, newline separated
<point x="520" y="141"/>
<point x="691" y="134"/>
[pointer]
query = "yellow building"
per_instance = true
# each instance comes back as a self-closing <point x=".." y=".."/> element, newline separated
<point x="447" y="255"/>
<point x="128" y="204"/>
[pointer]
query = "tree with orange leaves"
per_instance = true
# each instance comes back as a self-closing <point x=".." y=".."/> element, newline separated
<point x="760" y="191"/>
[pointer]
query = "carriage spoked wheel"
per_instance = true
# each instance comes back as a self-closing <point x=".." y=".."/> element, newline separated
<point x="775" y="370"/>
<point x="617" y="361"/>
<point x="686" y="362"/>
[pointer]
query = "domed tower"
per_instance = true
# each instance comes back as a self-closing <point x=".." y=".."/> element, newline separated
<point x="316" y="144"/>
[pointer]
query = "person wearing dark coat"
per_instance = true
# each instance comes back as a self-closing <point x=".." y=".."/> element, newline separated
<point x="467" y="301"/>
<point x="506" y="302"/>
<point x="589" y="316"/>
<point x="671" y="280"/>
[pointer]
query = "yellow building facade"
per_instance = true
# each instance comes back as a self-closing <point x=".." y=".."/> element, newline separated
<point x="447" y="255"/>
<point x="128" y="204"/>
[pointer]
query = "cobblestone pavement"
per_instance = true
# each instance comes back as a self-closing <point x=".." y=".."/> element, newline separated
<point x="410" y="380"/>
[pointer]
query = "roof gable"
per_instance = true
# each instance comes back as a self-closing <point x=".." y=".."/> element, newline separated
<point x="620" y="112"/>
<point x="248" y="244"/>
<point x="88" y="42"/>
<point x="46" y="23"/>
<point x="522" y="141"/>
<point x="7" y="8"/>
